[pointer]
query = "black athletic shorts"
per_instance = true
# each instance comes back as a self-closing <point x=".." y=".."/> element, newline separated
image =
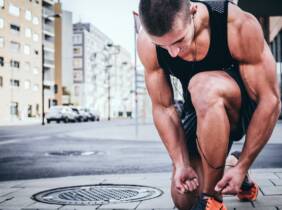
<point x="189" y="118"/>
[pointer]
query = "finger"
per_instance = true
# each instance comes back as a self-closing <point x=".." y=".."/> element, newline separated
<point x="194" y="186"/>
<point x="221" y="184"/>
<point x="195" y="183"/>
<point x="180" y="188"/>
<point x="191" y="185"/>
<point x="229" y="190"/>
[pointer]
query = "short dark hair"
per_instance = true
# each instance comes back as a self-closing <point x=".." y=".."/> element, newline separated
<point x="158" y="16"/>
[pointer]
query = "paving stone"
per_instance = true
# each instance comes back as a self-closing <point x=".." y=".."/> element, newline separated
<point x="279" y="175"/>
<point x="79" y="207"/>
<point x="264" y="182"/>
<point x="42" y="206"/>
<point x="164" y="201"/>
<point x="132" y="205"/>
<point x="233" y="202"/>
<point x="268" y="175"/>
<point x="275" y="190"/>
<point x="7" y="191"/>
<point x="277" y="182"/>
<point x="17" y="202"/>
<point x="258" y="208"/>
<point x="274" y="200"/>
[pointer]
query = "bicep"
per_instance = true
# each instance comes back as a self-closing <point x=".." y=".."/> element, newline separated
<point x="159" y="87"/>
<point x="260" y="77"/>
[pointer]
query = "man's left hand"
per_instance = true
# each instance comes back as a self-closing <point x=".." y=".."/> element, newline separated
<point x="231" y="181"/>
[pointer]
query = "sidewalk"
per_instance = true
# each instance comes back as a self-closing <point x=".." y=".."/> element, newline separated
<point x="16" y="195"/>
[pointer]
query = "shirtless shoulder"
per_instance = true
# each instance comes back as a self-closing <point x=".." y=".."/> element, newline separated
<point x="244" y="33"/>
<point x="147" y="52"/>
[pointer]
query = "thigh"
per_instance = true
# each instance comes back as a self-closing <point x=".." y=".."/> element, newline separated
<point x="207" y="87"/>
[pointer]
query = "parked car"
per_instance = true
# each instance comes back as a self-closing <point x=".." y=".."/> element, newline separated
<point x="97" y="116"/>
<point x="78" y="116"/>
<point x="91" y="116"/>
<point x="84" y="114"/>
<point x="60" y="114"/>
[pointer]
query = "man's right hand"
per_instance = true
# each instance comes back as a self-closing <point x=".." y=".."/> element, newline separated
<point x="185" y="179"/>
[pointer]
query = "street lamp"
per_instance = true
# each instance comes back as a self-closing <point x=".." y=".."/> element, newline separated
<point x="43" y="61"/>
<point x="109" y="90"/>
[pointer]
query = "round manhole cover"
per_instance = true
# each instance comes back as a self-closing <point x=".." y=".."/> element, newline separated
<point x="97" y="194"/>
<point x="73" y="153"/>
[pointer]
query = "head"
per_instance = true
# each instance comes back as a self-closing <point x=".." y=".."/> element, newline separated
<point x="168" y="23"/>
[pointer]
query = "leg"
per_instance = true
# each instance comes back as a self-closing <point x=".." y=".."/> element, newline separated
<point x="217" y="100"/>
<point x="187" y="200"/>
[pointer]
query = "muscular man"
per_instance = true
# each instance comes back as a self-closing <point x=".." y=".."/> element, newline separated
<point x="228" y="77"/>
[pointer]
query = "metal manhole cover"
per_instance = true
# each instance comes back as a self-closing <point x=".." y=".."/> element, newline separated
<point x="73" y="153"/>
<point x="97" y="194"/>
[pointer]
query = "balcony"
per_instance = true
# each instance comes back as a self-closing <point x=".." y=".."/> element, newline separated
<point x="47" y="12"/>
<point x="49" y="28"/>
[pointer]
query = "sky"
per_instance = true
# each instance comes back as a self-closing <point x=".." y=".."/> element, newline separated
<point x="113" y="17"/>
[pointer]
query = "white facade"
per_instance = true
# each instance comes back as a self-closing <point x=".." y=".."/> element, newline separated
<point x="103" y="73"/>
<point x="67" y="57"/>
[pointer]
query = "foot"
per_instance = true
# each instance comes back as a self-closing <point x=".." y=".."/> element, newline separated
<point x="207" y="202"/>
<point x="249" y="189"/>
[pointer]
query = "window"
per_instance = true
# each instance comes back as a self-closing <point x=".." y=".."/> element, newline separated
<point x="2" y="3"/>
<point x="27" y="84"/>
<point x="15" y="82"/>
<point x="27" y="32"/>
<point x="28" y="15"/>
<point x="77" y="63"/>
<point x="35" y="20"/>
<point x="15" y="64"/>
<point x="35" y="88"/>
<point x="15" y="29"/>
<point x="1" y="61"/>
<point x="2" y="43"/>
<point x="26" y="49"/>
<point x="1" y="23"/>
<point x="77" y="51"/>
<point x="13" y="10"/>
<point x="35" y="37"/>
<point x="1" y="81"/>
<point x="26" y="66"/>
<point x="35" y="71"/>
<point x="14" y="108"/>
<point x="77" y="39"/>
<point x="15" y="46"/>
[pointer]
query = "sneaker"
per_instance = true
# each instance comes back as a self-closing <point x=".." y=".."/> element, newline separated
<point x="207" y="202"/>
<point x="248" y="193"/>
<point x="249" y="189"/>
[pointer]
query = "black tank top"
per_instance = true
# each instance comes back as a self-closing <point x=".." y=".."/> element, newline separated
<point x="217" y="58"/>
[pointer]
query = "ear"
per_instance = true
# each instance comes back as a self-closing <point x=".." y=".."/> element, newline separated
<point x="193" y="8"/>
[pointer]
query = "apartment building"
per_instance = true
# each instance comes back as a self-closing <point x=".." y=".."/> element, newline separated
<point x="20" y="59"/>
<point x="48" y="39"/>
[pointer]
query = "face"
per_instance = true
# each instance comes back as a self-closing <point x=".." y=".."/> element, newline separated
<point x="178" y="41"/>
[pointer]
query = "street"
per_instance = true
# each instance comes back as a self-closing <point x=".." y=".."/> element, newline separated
<point x="57" y="150"/>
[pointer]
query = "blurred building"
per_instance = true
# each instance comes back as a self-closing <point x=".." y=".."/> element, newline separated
<point x="63" y="56"/>
<point x="20" y="59"/>
<point x="48" y="28"/>
<point x="102" y="73"/>
<point x="87" y="40"/>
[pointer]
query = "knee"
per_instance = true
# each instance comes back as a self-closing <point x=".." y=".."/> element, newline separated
<point x="182" y="202"/>
<point x="205" y="95"/>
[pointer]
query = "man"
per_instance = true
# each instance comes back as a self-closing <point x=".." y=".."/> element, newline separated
<point x="228" y="76"/>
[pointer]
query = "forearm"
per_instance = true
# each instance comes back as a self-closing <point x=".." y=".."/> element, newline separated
<point x="259" y="132"/>
<point x="171" y="132"/>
